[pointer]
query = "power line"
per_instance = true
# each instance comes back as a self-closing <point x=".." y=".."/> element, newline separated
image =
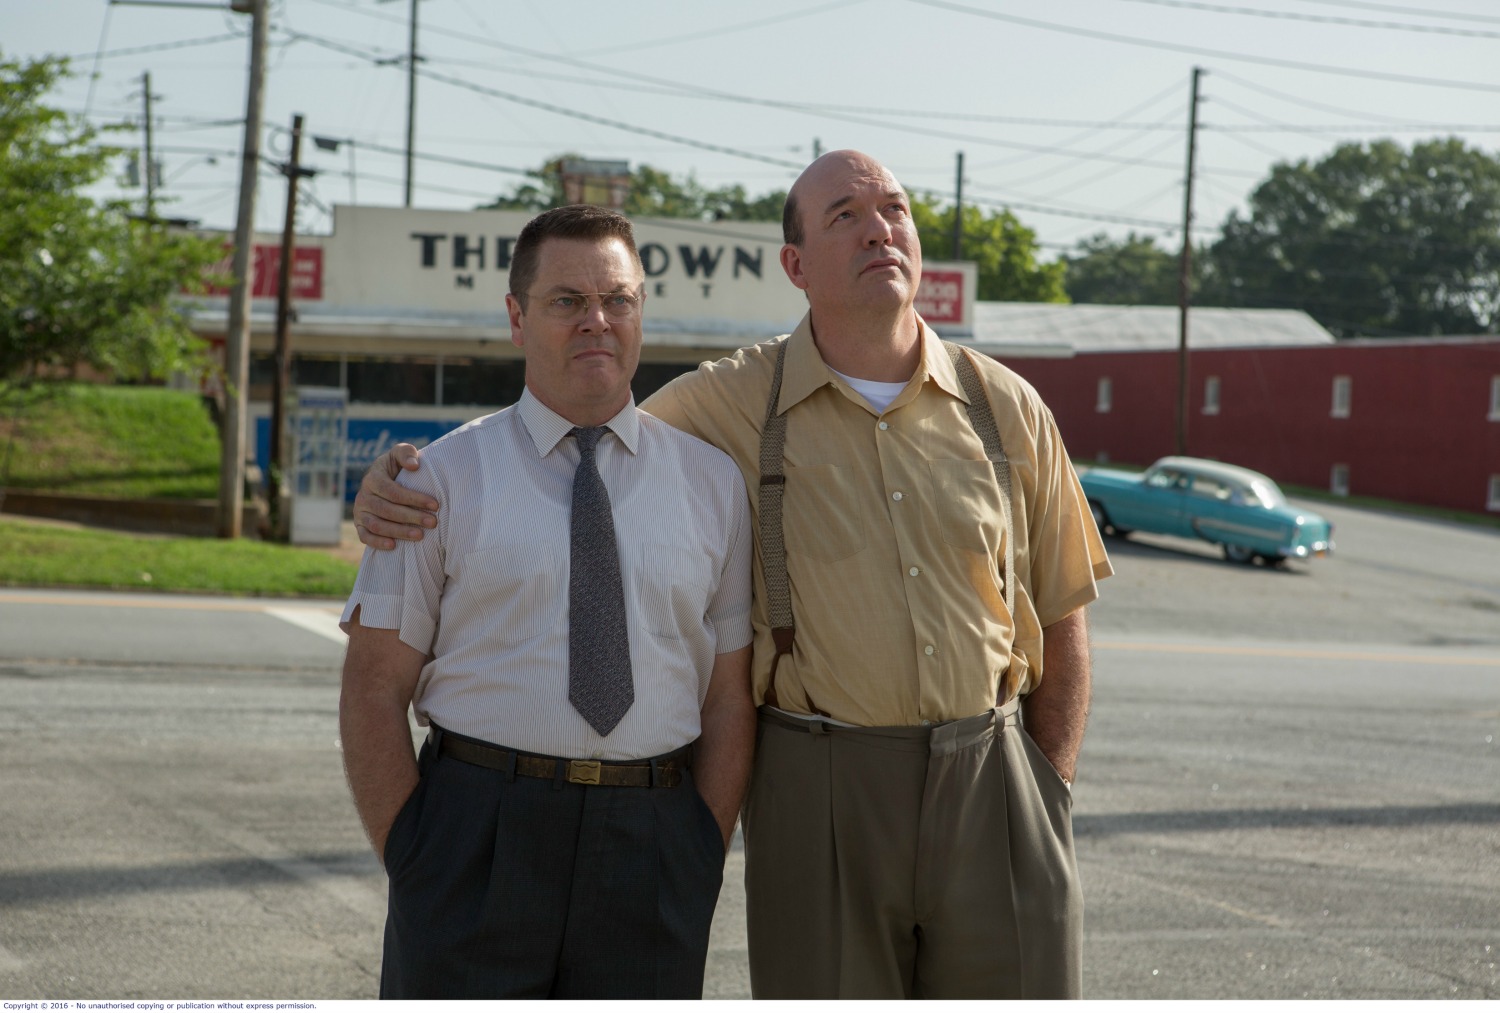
<point x="779" y="19"/>
<point x="1416" y="11"/>
<point x="690" y="91"/>
<point x="1321" y="18"/>
<point x="467" y="163"/>
<point x="1271" y="127"/>
<point x="1224" y="75"/>
<point x="1201" y="51"/>
<point x="691" y="142"/>
<point x="159" y="46"/>
<point x="548" y="107"/>
<point x="721" y="149"/>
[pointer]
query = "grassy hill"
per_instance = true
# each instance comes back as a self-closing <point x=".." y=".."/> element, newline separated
<point x="129" y="442"/>
<point x="137" y="443"/>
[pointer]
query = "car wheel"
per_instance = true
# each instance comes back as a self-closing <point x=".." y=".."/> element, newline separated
<point x="1101" y="520"/>
<point x="1238" y="554"/>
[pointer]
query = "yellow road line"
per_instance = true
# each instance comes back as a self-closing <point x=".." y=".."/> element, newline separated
<point x="1294" y="652"/>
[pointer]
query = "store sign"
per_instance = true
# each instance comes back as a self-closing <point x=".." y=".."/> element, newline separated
<point x="940" y="298"/>
<point x="714" y="274"/>
<point x="265" y="272"/>
<point x="366" y="440"/>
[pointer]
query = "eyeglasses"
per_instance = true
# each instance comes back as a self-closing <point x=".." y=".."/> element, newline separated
<point x="573" y="305"/>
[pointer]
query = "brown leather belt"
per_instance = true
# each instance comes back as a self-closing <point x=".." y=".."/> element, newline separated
<point x="660" y="772"/>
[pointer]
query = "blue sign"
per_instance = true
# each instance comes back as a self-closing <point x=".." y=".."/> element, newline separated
<point x="368" y="439"/>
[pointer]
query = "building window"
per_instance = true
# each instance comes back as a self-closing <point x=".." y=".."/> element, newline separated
<point x="1495" y="399"/>
<point x="1105" y="397"/>
<point x="1343" y="395"/>
<point x="1493" y="502"/>
<point x="306" y="371"/>
<point x="393" y="381"/>
<point x="1211" y="396"/>
<point x="482" y="383"/>
<point x="1338" y="480"/>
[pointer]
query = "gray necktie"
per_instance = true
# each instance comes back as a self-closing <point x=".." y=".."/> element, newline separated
<point x="599" y="683"/>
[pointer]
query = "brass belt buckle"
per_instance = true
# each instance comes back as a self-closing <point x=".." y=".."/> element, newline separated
<point x="583" y="771"/>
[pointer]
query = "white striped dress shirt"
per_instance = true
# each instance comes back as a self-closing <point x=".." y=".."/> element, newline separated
<point x="485" y="593"/>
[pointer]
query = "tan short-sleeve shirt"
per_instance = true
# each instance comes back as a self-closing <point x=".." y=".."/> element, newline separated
<point x="894" y="532"/>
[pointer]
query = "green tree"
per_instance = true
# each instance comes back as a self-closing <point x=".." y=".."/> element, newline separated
<point x="1374" y="240"/>
<point x="1004" y="250"/>
<point x="1133" y="271"/>
<point x="654" y="193"/>
<point x="80" y="280"/>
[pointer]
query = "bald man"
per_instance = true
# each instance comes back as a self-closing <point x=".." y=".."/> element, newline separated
<point x="925" y="557"/>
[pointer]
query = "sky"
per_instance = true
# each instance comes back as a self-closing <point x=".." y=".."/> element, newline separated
<point x="1072" y="113"/>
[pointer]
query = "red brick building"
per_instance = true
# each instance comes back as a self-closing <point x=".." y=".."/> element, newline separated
<point x="1415" y="421"/>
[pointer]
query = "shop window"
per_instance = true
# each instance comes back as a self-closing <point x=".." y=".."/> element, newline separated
<point x="1343" y="396"/>
<point x="1495" y="399"/>
<point x="307" y="371"/>
<point x="1338" y="480"/>
<point x="317" y="371"/>
<point x="1211" y="396"/>
<point x="1104" y="398"/>
<point x="1493" y="501"/>
<point x="483" y="383"/>
<point x="393" y="381"/>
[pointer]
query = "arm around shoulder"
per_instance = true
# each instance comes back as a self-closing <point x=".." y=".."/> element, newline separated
<point x="384" y="510"/>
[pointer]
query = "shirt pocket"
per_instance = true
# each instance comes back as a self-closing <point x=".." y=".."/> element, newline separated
<point x="820" y="516"/>
<point x="517" y="587"/>
<point x="675" y="585"/>
<point x="968" y="502"/>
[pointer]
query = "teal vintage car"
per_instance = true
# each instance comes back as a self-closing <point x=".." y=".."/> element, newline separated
<point x="1239" y="509"/>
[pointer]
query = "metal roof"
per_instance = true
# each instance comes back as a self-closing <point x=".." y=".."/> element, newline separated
<point x="1053" y="329"/>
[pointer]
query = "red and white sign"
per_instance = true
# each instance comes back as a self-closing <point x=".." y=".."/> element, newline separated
<point x="265" y="272"/>
<point x="940" y="298"/>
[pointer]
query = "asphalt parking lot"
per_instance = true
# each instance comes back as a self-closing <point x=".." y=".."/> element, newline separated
<point x="1291" y="786"/>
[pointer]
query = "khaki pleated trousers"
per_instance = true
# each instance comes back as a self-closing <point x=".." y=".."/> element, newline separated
<point x="913" y="862"/>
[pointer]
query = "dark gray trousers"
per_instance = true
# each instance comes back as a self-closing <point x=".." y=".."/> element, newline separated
<point x="925" y="862"/>
<point x="523" y="887"/>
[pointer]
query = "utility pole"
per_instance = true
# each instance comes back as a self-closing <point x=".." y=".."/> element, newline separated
<point x="411" y="101"/>
<point x="958" y="211"/>
<point x="150" y="151"/>
<point x="280" y="381"/>
<point x="1185" y="276"/>
<point x="237" y="335"/>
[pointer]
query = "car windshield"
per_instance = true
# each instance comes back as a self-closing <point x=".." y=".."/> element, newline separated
<point x="1268" y="494"/>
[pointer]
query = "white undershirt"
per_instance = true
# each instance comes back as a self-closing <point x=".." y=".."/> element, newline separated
<point x="879" y="394"/>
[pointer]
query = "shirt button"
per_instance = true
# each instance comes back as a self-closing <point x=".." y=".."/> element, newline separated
<point x="896" y="496"/>
<point x="914" y="571"/>
<point x="928" y="650"/>
<point x="885" y="425"/>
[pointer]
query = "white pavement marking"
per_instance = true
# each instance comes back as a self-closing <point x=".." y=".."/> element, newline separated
<point x="9" y="962"/>
<point x="323" y="622"/>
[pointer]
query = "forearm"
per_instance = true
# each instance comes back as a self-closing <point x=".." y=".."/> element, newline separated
<point x="1056" y="712"/>
<point x="378" y="762"/>
<point x="726" y="745"/>
<point x="380" y="676"/>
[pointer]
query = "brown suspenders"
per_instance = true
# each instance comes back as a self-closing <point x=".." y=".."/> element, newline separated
<point x="773" y="486"/>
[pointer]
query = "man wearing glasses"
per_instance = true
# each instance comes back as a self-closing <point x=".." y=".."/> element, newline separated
<point x="575" y="634"/>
